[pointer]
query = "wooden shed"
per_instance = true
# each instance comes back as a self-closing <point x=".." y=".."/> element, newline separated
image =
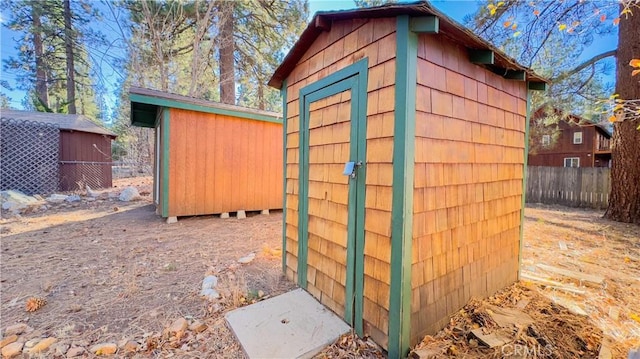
<point x="210" y="157"/>
<point x="428" y="122"/>
<point x="84" y="149"/>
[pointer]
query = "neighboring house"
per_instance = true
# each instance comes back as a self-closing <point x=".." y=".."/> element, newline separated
<point x="84" y="156"/>
<point x="578" y="144"/>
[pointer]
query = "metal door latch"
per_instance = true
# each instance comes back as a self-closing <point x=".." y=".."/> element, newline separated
<point x="350" y="168"/>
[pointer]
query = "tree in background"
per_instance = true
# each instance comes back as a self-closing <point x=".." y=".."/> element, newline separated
<point x="624" y="202"/>
<point x="52" y="64"/>
<point x="528" y="29"/>
<point x="220" y="51"/>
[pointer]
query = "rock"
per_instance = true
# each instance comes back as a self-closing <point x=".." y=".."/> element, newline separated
<point x="92" y="193"/>
<point x="241" y="214"/>
<point x="260" y="294"/>
<point x="210" y="294"/>
<point x="178" y="326"/>
<point x="198" y="327"/>
<point x="247" y="259"/>
<point x="31" y="343"/>
<point x="210" y="281"/>
<point x="130" y="346"/>
<point x="90" y="199"/>
<point x="129" y="194"/>
<point x="43" y="345"/>
<point x="172" y="220"/>
<point x="208" y="284"/>
<point x="61" y="349"/>
<point x="56" y="198"/>
<point x="8" y="340"/>
<point x="73" y="198"/>
<point x="104" y="349"/>
<point x="12" y="350"/>
<point x="75" y="352"/>
<point x="15" y="201"/>
<point x="224" y="215"/>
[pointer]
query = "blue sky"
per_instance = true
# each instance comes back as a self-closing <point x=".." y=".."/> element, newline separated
<point x="455" y="9"/>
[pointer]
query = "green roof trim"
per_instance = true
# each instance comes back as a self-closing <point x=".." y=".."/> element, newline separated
<point x="537" y="86"/>
<point x="145" y="103"/>
<point x="425" y="24"/>
<point x="518" y="75"/>
<point x="482" y="57"/>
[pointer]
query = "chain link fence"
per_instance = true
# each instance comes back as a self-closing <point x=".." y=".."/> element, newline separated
<point x="29" y="156"/>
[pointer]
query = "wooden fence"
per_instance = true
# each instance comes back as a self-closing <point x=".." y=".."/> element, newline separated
<point x="576" y="187"/>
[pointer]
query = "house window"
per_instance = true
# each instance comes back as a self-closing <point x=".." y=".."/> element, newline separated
<point x="572" y="162"/>
<point x="577" y="138"/>
<point x="546" y="140"/>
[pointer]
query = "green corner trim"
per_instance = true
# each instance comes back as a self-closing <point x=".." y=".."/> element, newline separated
<point x="150" y="100"/>
<point x="166" y="116"/>
<point x="482" y="57"/>
<point x="524" y="179"/>
<point x="518" y="75"/>
<point x="283" y="93"/>
<point x="354" y="78"/>
<point x="537" y="86"/>
<point x="425" y="24"/>
<point x="402" y="200"/>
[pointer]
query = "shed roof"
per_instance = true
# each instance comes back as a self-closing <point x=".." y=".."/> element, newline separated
<point x="447" y="27"/>
<point x="145" y="103"/>
<point x="63" y="121"/>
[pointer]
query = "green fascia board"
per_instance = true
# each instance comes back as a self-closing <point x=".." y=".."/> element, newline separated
<point x="166" y="117"/>
<point x="481" y="57"/>
<point x="537" y="86"/>
<point x="518" y="75"/>
<point x="524" y="180"/>
<point x="283" y="94"/>
<point x="425" y="24"/>
<point x="150" y="100"/>
<point x="402" y="198"/>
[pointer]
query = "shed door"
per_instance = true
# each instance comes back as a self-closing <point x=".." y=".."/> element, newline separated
<point x="330" y="252"/>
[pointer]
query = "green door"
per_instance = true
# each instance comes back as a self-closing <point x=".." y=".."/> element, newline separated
<point x="332" y="191"/>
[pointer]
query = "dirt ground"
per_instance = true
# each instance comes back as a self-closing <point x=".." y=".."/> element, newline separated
<point x="112" y="271"/>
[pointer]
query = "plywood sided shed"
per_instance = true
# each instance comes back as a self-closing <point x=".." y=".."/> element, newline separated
<point x="84" y="156"/>
<point x="433" y="120"/>
<point x="210" y="157"/>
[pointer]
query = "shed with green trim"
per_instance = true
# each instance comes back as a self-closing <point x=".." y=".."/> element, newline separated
<point x="210" y="157"/>
<point x="405" y="140"/>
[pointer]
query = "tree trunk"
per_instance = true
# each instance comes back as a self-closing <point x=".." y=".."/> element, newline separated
<point x="261" y="99"/>
<point x="41" y="74"/>
<point x="68" y="44"/>
<point x="624" y="202"/>
<point x="227" y="49"/>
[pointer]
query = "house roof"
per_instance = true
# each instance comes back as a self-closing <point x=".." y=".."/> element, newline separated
<point x="145" y="103"/>
<point x="63" y="121"/>
<point x="447" y="27"/>
<point x="574" y="120"/>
